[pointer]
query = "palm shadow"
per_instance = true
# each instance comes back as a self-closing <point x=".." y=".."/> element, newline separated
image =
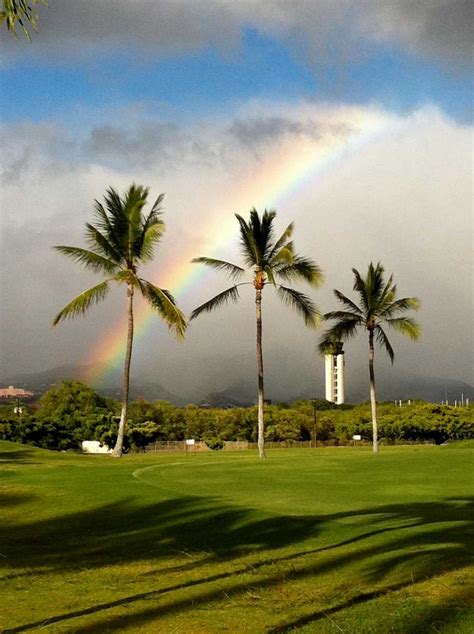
<point x="124" y="531"/>
<point x="422" y="541"/>
<point x="16" y="456"/>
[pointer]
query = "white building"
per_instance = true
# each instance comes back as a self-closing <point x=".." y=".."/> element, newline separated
<point x="334" y="360"/>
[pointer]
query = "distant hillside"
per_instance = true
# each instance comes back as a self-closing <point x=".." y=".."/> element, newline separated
<point x="40" y="382"/>
<point x="147" y="390"/>
<point x="226" y="398"/>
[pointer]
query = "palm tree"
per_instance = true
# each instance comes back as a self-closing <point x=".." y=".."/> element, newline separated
<point x="270" y="261"/>
<point x="377" y="306"/>
<point x="122" y="239"/>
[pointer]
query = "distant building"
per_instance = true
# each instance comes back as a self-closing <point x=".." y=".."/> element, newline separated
<point x="334" y="360"/>
<point x="14" y="392"/>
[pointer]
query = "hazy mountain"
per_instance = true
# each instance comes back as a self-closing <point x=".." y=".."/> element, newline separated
<point x="147" y="390"/>
<point x="433" y="389"/>
<point x="230" y="397"/>
<point x="244" y="393"/>
<point x="40" y="382"/>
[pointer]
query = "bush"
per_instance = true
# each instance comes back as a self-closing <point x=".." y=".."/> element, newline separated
<point x="216" y="444"/>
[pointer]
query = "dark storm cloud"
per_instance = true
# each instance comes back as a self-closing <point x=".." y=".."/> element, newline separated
<point x="149" y="141"/>
<point x="326" y="32"/>
<point x="438" y="28"/>
<point x="141" y="144"/>
<point x="253" y="132"/>
<point x="170" y="26"/>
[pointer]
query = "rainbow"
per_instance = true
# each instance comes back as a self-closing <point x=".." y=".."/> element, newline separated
<point x="291" y="168"/>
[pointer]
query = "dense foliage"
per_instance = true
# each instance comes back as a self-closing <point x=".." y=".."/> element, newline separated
<point x="71" y="412"/>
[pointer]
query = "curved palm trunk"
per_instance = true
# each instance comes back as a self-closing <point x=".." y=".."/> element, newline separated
<point x="373" y="402"/>
<point x="118" y="449"/>
<point x="261" y="429"/>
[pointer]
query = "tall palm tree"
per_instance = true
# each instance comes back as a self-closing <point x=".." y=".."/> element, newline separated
<point x="377" y="305"/>
<point x="122" y="238"/>
<point x="270" y="261"/>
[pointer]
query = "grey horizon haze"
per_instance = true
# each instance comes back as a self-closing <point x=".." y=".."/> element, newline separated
<point x="399" y="192"/>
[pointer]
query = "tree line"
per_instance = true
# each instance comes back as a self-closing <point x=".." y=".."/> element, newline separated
<point x="71" y="412"/>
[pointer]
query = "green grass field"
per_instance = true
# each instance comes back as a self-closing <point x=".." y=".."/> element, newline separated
<point x="327" y="540"/>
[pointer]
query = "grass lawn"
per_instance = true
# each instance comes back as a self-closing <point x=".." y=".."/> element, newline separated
<point x="326" y="540"/>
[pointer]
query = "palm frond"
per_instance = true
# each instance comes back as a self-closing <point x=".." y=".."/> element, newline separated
<point x="382" y="340"/>
<point x="99" y="243"/>
<point x="89" y="259"/>
<point x="103" y="224"/>
<point x="344" y="315"/>
<point x="301" y="269"/>
<point x="156" y="207"/>
<point x="328" y="345"/>
<point x="264" y="235"/>
<point x="301" y="303"/>
<point x="406" y="326"/>
<point x="388" y="293"/>
<point x="229" y="295"/>
<point x="164" y="303"/>
<point x="232" y="270"/>
<point x="247" y="243"/>
<point x="127" y="276"/>
<point x="348" y="303"/>
<point x="344" y="329"/>
<point x="284" y="255"/>
<point x="374" y="284"/>
<point x="82" y="302"/>
<point x="151" y="230"/>
<point x="135" y="200"/>
<point x="149" y="237"/>
<point x="282" y="241"/>
<point x="269" y="272"/>
<point x="360" y="288"/>
<point x="117" y="218"/>
<point x="401" y="305"/>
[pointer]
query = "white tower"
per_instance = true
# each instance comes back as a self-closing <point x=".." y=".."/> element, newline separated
<point x="334" y="359"/>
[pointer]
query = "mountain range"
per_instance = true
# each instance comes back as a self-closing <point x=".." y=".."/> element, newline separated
<point x="244" y="392"/>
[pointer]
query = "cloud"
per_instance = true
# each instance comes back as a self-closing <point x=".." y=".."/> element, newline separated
<point x="68" y="26"/>
<point x="259" y="131"/>
<point x="441" y="29"/>
<point x="325" y="32"/>
<point x="403" y="197"/>
<point x="148" y="141"/>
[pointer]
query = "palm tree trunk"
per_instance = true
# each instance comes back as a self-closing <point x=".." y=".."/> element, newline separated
<point x="261" y="396"/>
<point x="118" y="449"/>
<point x="373" y="401"/>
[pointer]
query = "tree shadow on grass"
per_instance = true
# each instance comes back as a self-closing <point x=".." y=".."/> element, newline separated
<point x="14" y="499"/>
<point x="123" y="531"/>
<point x="420" y="620"/>
<point x="16" y="456"/>
<point x="428" y="539"/>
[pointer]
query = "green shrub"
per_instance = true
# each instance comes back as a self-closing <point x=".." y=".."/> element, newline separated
<point x="216" y="444"/>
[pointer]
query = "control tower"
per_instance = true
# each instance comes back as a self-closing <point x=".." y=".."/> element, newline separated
<point x="334" y="360"/>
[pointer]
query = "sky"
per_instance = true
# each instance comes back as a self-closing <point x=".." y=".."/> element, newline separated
<point x="352" y="119"/>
